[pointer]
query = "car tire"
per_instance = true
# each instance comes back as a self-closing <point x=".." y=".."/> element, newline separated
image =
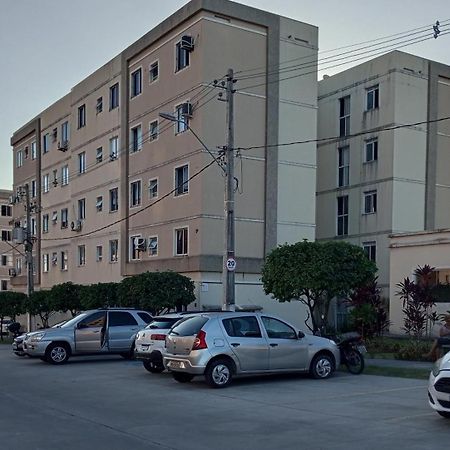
<point x="153" y="367"/>
<point x="322" y="366"/>
<point x="444" y="414"/>
<point x="57" y="353"/>
<point x="128" y="355"/>
<point x="182" y="377"/>
<point x="219" y="373"/>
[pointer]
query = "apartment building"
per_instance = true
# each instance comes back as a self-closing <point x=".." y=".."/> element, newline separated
<point x="6" y="254"/>
<point x="380" y="177"/>
<point x="115" y="187"/>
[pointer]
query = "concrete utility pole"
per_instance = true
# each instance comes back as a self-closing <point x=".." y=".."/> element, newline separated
<point x="29" y="251"/>
<point x="229" y="261"/>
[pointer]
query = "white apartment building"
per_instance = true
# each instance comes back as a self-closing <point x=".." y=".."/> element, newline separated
<point x="6" y="254"/>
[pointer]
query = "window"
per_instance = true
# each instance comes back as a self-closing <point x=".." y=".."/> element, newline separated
<point x="99" y="253"/>
<point x="55" y="178"/>
<point x="153" y="246"/>
<point x="81" y="255"/>
<point x="4" y="285"/>
<point x="181" y="180"/>
<point x="55" y="217"/>
<point x="45" y="262"/>
<point x="136" y="83"/>
<point x="65" y="133"/>
<point x="242" y="327"/>
<point x="33" y="188"/>
<point x="82" y="162"/>
<point x="276" y="329"/>
<point x="181" y="125"/>
<point x="46" y="143"/>
<point x="135" y="253"/>
<point x="64" y="218"/>
<point x="113" y="199"/>
<point x="370" y="202"/>
<point x="344" y="116"/>
<point x="114" y="96"/>
<point x="99" y="155"/>
<point x="33" y="150"/>
<point x="45" y="183"/>
<point x="342" y="215"/>
<point x="6" y="235"/>
<point x="120" y="319"/>
<point x="6" y="211"/>
<point x="153" y="188"/>
<point x="95" y="320"/>
<point x="343" y="166"/>
<point x="135" y="193"/>
<point x="64" y="175"/>
<point x="82" y="116"/>
<point x="147" y="318"/>
<point x="370" y="248"/>
<point x="33" y="226"/>
<point x="19" y="158"/>
<point x="64" y="260"/>
<point x="99" y="105"/>
<point x="45" y="223"/>
<point x="372" y="98"/>
<point x="371" y="150"/>
<point x="181" y="241"/>
<point x="113" y="251"/>
<point x="54" y="258"/>
<point x="136" y="139"/>
<point x="99" y="204"/>
<point x="154" y="71"/>
<point x="182" y="57"/>
<point x="3" y="260"/>
<point x="55" y="134"/>
<point x="82" y="209"/>
<point x="153" y="130"/>
<point x="114" y="148"/>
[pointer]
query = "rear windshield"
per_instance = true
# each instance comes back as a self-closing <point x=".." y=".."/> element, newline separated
<point x="162" y="323"/>
<point x="189" y="326"/>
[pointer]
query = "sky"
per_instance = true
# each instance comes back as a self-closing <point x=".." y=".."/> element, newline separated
<point x="48" y="46"/>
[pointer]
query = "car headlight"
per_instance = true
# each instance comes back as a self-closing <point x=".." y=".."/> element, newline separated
<point x="332" y="342"/>
<point x="37" y="337"/>
<point x="436" y="368"/>
<point x="138" y="336"/>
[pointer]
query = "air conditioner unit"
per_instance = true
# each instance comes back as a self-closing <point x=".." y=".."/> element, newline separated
<point x="187" y="43"/>
<point x="55" y="134"/>
<point x="55" y="182"/>
<point x="54" y="260"/>
<point x="76" y="225"/>
<point x="140" y="244"/>
<point x="186" y="109"/>
<point x="63" y="146"/>
<point x="112" y="157"/>
<point x="12" y="272"/>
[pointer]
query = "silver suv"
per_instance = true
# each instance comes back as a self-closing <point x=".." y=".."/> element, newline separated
<point x="221" y="345"/>
<point x="100" y="331"/>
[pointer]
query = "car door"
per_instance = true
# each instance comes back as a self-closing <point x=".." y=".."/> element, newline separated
<point x="286" y="350"/>
<point x="251" y="348"/>
<point x="90" y="333"/>
<point x="121" y="330"/>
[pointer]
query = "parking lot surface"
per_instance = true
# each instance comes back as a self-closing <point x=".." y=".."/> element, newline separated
<point x="93" y="403"/>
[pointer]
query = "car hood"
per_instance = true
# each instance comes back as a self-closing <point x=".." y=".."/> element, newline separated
<point x="317" y="340"/>
<point x="445" y="362"/>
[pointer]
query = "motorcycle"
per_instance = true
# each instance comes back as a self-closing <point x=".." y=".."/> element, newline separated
<point x="352" y="349"/>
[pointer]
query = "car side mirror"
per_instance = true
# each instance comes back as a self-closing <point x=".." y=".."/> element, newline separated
<point x="81" y="325"/>
<point x="301" y="335"/>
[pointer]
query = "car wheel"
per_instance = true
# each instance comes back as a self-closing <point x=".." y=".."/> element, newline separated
<point x="444" y="414"/>
<point x="128" y="355"/>
<point x="153" y="367"/>
<point x="322" y="366"/>
<point x="57" y="353"/>
<point x="219" y="373"/>
<point x="182" y="377"/>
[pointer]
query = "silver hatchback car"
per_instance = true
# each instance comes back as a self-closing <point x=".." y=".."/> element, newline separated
<point x="221" y="345"/>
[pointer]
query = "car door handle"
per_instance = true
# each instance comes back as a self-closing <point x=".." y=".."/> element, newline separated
<point x="235" y="344"/>
<point x="274" y="345"/>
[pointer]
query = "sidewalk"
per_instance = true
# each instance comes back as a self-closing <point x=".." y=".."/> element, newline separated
<point x="378" y="362"/>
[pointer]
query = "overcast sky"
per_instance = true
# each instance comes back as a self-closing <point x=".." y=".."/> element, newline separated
<point x="48" y="46"/>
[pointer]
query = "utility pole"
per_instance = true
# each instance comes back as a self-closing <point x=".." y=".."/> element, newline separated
<point x="229" y="261"/>
<point x="29" y="251"/>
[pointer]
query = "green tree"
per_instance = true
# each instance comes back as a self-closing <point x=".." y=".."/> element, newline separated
<point x="314" y="273"/>
<point x="100" y="295"/>
<point x="12" y="304"/>
<point x="40" y="304"/>
<point x="67" y="297"/>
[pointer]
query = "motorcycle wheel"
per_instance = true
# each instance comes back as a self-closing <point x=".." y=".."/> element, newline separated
<point x="354" y="362"/>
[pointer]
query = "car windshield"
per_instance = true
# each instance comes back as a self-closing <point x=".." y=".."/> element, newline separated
<point x="161" y="323"/>
<point x="70" y="323"/>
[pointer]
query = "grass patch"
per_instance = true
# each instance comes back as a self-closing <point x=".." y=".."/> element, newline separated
<point x="6" y="340"/>
<point x="400" y="372"/>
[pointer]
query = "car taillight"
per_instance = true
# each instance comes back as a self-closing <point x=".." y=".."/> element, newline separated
<point x="158" y="337"/>
<point x="200" y="341"/>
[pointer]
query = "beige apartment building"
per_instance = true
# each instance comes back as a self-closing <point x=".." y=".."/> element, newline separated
<point x="373" y="182"/>
<point x="6" y="254"/>
<point x="115" y="187"/>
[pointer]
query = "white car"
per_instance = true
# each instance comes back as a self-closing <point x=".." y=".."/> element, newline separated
<point x="439" y="387"/>
<point x="5" y="324"/>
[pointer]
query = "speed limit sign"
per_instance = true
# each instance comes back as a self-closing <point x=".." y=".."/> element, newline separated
<point x="231" y="264"/>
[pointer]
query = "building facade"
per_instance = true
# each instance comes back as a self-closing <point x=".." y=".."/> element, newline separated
<point x="386" y="169"/>
<point x="6" y="245"/>
<point x="117" y="190"/>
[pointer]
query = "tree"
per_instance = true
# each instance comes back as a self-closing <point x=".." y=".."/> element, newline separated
<point x="314" y="273"/>
<point x="100" y="295"/>
<point x="40" y="304"/>
<point x="156" y="291"/>
<point x="11" y="305"/>
<point x="66" y="297"/>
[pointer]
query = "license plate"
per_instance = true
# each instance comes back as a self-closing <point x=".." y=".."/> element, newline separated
<point x="144" y="348"/>
<point x="362" y="348"/>
<point x="175" y="364"/>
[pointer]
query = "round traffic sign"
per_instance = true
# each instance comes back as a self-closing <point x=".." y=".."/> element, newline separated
<point x="231" y="264"/>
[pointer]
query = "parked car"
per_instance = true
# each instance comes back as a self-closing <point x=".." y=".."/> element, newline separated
<point x="439" y="387"/>
<point x="220" y="346"/>
<point x="150" y="342"/>
<point x="5" y="324"/>
<point x="95" y="332"/>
